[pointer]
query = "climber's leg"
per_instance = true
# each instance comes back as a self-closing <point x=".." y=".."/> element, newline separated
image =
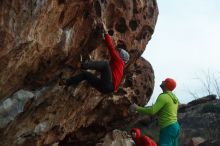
<point x="74" y="80"/>
<point x="106" y="84"/>
<point x="103" y="84"/>
<point x="106" y="73"/>
<point x="106" y="77"/>
<point x="94" y="65"/>
<point x="92" y="80"/>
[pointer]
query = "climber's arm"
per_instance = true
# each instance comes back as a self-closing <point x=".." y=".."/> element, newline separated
<point x="114" y="54"/>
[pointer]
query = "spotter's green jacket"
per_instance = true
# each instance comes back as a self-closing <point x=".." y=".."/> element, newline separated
<point x="166" y="107"/>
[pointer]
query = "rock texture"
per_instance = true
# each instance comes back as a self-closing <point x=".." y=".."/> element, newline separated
<point x="195" y="141"/>
<point x="211" y="143"/>
<point x="117" y="138"/>
<point x="39" y="40"/>
<point x="200" y="120"/>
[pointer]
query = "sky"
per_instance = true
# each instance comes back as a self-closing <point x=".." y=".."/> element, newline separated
<point x="185" y="45"/>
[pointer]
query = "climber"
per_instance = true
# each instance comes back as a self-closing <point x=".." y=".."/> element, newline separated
<point x="141" y="140"/>
<point x="166" y="107"/>
<point x="111" y="72"/>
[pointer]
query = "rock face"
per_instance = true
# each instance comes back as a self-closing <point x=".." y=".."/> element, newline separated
<point x="200" y="119"/>
<point x="195" y="141"/>
<point x="117" y="138"/>
<point x="40" y="39"/>
<point x="211" y="143"/>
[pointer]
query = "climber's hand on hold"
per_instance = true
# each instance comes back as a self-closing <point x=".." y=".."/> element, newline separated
<point x="103" y="29"/>
<point x="133" y="108"/>
<point x="103" y="36"/>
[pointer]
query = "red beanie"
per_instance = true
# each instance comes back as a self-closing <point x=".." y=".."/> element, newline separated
<point x="170" y="84"/>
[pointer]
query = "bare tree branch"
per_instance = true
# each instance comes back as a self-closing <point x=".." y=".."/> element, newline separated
<point x="216" y="85"/>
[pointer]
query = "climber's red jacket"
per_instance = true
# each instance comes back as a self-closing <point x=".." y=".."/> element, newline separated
<point x="116" y="63"/>
<point x="142" y="140"/>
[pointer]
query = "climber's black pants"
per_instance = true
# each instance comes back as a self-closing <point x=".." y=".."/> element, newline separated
<point x="103" y="84"/>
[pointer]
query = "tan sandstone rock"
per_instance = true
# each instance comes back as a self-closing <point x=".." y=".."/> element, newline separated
<point x="40" y="39"/>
